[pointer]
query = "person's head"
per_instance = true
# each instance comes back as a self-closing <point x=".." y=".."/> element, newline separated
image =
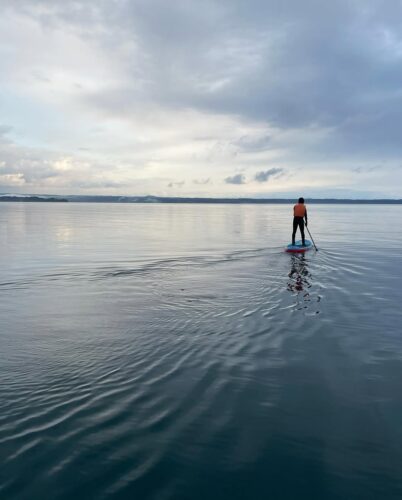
<point x="301" y="200"/>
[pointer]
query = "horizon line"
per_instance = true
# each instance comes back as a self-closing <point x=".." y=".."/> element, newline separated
<point x="185" y="199"/>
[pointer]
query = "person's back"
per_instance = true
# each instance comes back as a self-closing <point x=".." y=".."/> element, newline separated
<point x="299" y="215"/>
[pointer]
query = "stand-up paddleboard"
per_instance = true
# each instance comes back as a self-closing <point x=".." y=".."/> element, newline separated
<point x="298" y="247"/>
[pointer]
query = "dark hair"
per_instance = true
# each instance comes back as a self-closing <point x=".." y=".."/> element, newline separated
<point x="301" y="200"/>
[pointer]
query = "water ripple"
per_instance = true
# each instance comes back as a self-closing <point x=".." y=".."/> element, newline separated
<point x="134" y="379"/>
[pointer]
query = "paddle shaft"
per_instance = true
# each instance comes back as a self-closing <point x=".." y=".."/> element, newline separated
<point x="316" y="249"/>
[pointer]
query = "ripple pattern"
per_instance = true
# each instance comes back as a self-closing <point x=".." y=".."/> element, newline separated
<point x="230" y="374"/>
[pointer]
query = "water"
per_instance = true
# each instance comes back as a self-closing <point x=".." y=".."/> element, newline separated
<point x="176" y="352"/>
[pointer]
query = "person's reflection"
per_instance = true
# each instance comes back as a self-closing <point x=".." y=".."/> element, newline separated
<point x="298" y="275"/>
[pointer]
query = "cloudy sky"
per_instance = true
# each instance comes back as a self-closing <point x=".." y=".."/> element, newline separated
<point x="201" y="97"/>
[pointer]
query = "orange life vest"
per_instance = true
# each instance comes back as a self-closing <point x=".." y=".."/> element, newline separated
<point x="299" y="210"/>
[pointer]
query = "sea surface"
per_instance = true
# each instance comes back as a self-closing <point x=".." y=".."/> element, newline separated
<point x="177" y="352"/>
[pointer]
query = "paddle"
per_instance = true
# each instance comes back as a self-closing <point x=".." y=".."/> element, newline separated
<point x="316" y="249"/>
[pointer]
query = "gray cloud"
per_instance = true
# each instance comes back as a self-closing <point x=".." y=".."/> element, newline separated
<point x="202" y="182"/>
<point x="4" y="131"/>
<point x="254" y="144"/>
<point x="360" y="170"/>
<point x="39" y="173"/>
<point x="27" y="169"/>
<point x="176" y="184"/>
<point x="34" y="169"/>
<point x="292" y="65"/>
<point x="289" y="65"/>
<point x="328" y="74"/>
<point x="236" y="179"/>
<point x="264" y="176"/>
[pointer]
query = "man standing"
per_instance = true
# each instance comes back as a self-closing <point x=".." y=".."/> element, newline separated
<point x="299" y="215"/>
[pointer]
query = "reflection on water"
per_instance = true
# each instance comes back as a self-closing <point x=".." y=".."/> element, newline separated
<point x="176" y="352"/>
<point x="301" y="281"/>
<point x="299" y="274"/>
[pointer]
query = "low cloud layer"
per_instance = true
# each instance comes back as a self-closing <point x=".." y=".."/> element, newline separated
<point x="138" y="97"/>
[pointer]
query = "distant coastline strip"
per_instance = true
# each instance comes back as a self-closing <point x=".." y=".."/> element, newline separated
<point x="161" y="199"/>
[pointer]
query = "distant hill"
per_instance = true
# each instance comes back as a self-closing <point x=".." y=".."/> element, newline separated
<point x="172" y="199"/>
<point x="257" y="201"/>
<point x="33" y="198"/>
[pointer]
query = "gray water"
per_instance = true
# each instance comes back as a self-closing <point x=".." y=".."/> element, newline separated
<point x="177" y="352"/>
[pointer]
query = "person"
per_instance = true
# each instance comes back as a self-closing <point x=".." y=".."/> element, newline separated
<point x="299" y="215"/>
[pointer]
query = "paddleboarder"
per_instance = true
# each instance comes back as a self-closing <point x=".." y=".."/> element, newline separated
<point x="299" y="216"/>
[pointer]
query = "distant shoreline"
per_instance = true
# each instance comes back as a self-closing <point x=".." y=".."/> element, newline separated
<point x="34" y="199"/>
<point x="188" y="200"/>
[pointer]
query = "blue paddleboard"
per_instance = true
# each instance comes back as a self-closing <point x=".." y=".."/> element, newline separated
<point x="298" y="247"/>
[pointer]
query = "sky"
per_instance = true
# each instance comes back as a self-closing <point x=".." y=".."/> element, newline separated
<point x="228" y="98"/>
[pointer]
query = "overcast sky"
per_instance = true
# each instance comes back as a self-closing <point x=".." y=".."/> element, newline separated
<point x="201" y="98"/>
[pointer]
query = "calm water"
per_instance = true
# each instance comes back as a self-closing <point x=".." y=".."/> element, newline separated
<point x="176" y="352"/>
